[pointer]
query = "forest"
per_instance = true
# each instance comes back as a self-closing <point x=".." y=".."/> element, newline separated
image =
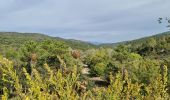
<point x="34" y="66"/>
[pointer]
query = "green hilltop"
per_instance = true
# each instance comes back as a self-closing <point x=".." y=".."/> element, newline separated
<point x="16" y="39"/>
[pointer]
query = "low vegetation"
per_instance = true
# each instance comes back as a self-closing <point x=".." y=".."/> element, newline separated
<point x="44" y="68"/>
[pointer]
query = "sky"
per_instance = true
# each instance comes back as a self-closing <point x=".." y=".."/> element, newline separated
<point x="104" y="21"/>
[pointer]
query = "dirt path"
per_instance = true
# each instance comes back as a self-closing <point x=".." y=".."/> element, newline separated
<point x="85" y="71"/>
<point x="98" y="80"/>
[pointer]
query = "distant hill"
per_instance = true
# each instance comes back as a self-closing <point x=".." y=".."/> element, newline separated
<point x="15" y="39"/>
<point x="156" y="46"/>
<point x="136" y="41"/>
<point x="78" y="44"/>
<point x="111" y="45"/>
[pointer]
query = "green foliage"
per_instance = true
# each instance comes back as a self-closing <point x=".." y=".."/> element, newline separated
<point x="144" y="70"/>
<point x="44" y="69"/>
<point x="52" y="85"/>
<point x="45" y="52"/>
<point x="15" y="39"/>
<point x="156" y="46"/>
<point x="97" y="61"/>
<point x="99" y="69"/>
<point x="57" y="86"/>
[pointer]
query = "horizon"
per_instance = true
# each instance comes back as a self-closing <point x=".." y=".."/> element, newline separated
<point x="92" y="42"/>
<point x="105" y="21"/>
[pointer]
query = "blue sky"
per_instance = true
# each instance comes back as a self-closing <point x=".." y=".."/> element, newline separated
<point x="88" y="20"/>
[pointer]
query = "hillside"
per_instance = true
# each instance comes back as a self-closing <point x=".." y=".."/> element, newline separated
<point x="136" y="41"/>
<point x="156" y="46"/>
<point x="142" y="46"/>
<point x="142" y="40"/>
<point x="47" y="70"/>
<point x="16" y="39"/>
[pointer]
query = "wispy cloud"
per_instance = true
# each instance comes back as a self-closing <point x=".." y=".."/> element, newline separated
<point x="89" y="20"/>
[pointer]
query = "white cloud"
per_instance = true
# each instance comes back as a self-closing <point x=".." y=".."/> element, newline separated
<point x="91" y="20"/>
